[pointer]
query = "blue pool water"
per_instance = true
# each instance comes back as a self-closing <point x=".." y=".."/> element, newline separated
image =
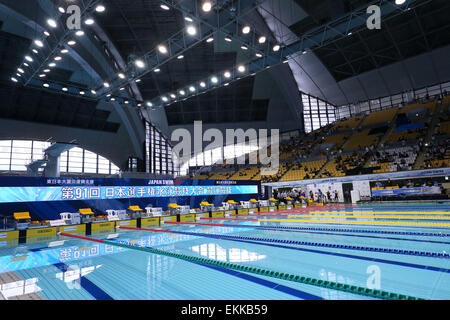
<point x="78" y="269"/>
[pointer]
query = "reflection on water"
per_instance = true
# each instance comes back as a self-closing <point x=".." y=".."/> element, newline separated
<point x="216" y="252"/>
<point x="19" y="288"/>
<point x="74" y="274"/>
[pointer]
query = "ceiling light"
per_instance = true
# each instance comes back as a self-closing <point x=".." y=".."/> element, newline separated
<point x="52" y="23"/>
<point x="138" y="80"/>
<point x="244" y="48"/>
<point x="20" y="70"/>
<point x="14" y="79"/>
<point x="126" y="102"/>
<point x="165" y="7"/>
<point x="35" y="51"/>
<point x="149" y="104"/>
<point x="79" y="33"/>
<point x="202" y="84"/>
<point x="64" y="89"/>
<point x="139" y="63"/>
<point x="227" y="84"/>
<point x="182" y="92"/>
<point x="189" y="19"/>
<point x="191" y="89"/>
<point x="399" y="2"/>
<point x="64" y="51"/>
<point x="191" y="30"/>
<point x="207" y="6"/>
<point x="228" y="39"/>
<point x="350" y="33"/>
<point x="42" y="76"/>
<point x="106" y="84"/>
<point x="57" y="58"/>
<point x="214" y="80"/>
<point x="82" y="93"/>
<point x="47" y="70"/>
<point x="108" y="95"/>
<point x="241" y="68"/>
<point x="47" y="33"/>
<point x="180" y="57"/>
<point x="162" y="49"/>
<point x="39" y="43"/>
<point x="210" y="39"/>
<point x="246" y="30"/>
<point x="46" y="85"/>
<point x="227" y="74"/>
<point x="121" y="89"/>
<point x="100" y="8"/>
<point x="304" y="51"/>
<point x="51" y="65"/>
<point x="173" y="96"/>
<point x="18" y="74"/>
<point x="262" y="39"/>
<point x="26" y="64"/>
<point x="259" y="55"/>
<point x="113" y="99"/>
<point x="71" y="42"/>
<point x="89" y="21"/>
<point x="276" y="47"/>
<point x="61" y="9"/>
<point x="285" y="61"/>
<point x="164" y="99"/>
<point x="28" y="58"/>
<point x="93" y="92"/>
<point x="157" y="70"/>
<point x="121" y="75"/>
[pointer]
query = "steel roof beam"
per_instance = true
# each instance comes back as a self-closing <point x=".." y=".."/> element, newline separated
<point x="60" y="36"/>
<point x="316" y="38"/>
<point x="226" y="20"/>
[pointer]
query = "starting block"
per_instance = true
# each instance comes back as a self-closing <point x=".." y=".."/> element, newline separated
<point x="116" y="215"/>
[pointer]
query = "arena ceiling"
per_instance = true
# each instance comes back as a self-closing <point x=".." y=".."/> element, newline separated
<point x="408" y="52"/>
<point x="29" y="104"/>
<point x="413" y="33"/>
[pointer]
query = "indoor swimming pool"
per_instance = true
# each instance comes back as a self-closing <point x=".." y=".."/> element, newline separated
<point x="401" y="249"/>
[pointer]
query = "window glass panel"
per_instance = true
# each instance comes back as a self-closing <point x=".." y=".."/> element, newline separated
<point x="63" y="162"/>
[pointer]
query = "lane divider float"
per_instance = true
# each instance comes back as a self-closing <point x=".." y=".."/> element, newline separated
<point x="302" y="243"/>
<point x="378" y="294"/>
<point x="427" y="224"/>
<point x="404" y="233"/>
<point x="309" y="233"/>
<point x="405" y="217"/>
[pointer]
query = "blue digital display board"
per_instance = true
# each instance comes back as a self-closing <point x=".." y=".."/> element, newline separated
<point x="67" y="193"/>
<point x="406" y="191"/>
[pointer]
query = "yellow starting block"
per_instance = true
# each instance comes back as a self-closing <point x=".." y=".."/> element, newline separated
<point x="206" y="206"/>
<point x="86" y="211"/>
<point x="22" y="220"/>
<point x="253" y="203"/>
<point x="174" y="208"/>
<point x="87" y="215"/>
<point x="135" y="212"/>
